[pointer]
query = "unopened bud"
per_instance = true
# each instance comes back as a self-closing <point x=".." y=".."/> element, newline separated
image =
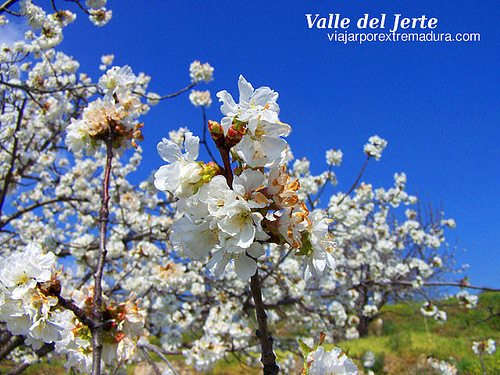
<point x="210" y="170"/>
<point x="217" y="132"/>
<point x="239" y="125"/>
<point x="233" y="136"/>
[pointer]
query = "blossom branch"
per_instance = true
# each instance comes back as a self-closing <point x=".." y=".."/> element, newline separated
<point x="228" y="173"/>
<point x="460" y="285"/>
<point x="97" y="313"/>
<point x="37" y="205"/>
<point x="20" y="367"/>
<point x="11" y="345"/>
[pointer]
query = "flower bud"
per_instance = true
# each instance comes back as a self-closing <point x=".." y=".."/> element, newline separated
<point x="239" y="125"/>
<point x="233" y="136"/>
<point x="217" y="132"/>
<point x="210" y="170"/>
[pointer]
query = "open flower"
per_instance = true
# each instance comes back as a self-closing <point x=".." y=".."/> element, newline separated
<point x="182" y="176"/>
<point x="257" y="112"/>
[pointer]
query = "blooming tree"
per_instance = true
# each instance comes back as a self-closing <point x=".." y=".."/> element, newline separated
<point x="250" y="222"/>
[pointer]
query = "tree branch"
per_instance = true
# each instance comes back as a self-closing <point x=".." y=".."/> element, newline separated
<point x="5" y="6"/>
<point x="97" y="313"/>
<point x="268" y="357"/>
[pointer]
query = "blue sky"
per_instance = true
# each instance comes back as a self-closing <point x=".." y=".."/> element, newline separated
<point x="435" y="103"/>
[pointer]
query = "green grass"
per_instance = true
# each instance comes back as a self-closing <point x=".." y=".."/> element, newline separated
<point x="408" y="337"/>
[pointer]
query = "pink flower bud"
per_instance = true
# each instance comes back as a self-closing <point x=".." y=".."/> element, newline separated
<point x="217" y="132"/>
<point x="233" y="136"/>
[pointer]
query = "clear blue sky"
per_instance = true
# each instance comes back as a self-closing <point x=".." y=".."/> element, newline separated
<point x="437" y="104"/>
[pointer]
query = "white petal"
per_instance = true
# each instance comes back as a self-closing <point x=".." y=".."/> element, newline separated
<point x="192" y="146"/>
<point x="319" y="264"/>
<point x="263" y="95"/>
<point x="256" y="250"/>
<point x="167" y="177"/>
<point x="250" y="180"/>
<point x="229" y="107"/>
<point x="219" y="260"/>
<point x="168" y="150"/>
<point x="246" y="236"/>
<point x="245" y="88"/>
<point x="245" y="267"/>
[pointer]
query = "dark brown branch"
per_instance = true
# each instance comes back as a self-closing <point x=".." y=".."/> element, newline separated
<point x="268" y="357"/>
<point x="38" y="205"/>
<point x="20" y="367"/>
<point x="5" y="6"/>
<point x="11" y="345"/>
<point x="79" y="313"/>
<point x="224" y="153"/>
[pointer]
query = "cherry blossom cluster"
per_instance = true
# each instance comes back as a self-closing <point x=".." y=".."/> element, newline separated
<point x="200" y="98"/>
<point x="467" y="300"/>
<point x="201" y="72"/>
<point x="113" y="116"/>
<point x="27" y="306"/>
<point x="124" y="326"/>
<point x="30" y="305"/>
<point x="231" y="220"/>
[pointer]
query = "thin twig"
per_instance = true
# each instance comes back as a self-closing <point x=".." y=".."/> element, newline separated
<point x="460" y="285"/>
<point x="151" y="362"/>
<point x="204" y="141"/>
<point x="37" y="205"/>
<point x="160" y="354"/>
<point x="355" y="182"/>
<point x="169" y="95"/>
<point x="45" y="91"/>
